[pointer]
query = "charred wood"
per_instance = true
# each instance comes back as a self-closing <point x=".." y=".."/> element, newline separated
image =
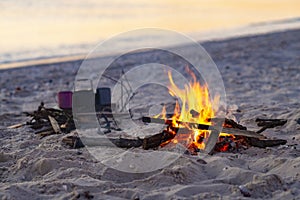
<point x="269" y="123"/>
<point x="265" y="143"/>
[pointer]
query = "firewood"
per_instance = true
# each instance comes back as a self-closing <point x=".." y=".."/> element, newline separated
<point x="238" y="132"/>
<point x="46" y="133"/>
<point x="233" y="131"/>
<point x="265" y="143"/>
<point x="41" y="118"/>
<point x="43" y="130"/>
<point x="269" y="120"/>
<point x="156" y="140"/>
<point x="73" y="141"/>
<point x="229" y="123"/>
<point x="16" y="126"/>
<point x="112" y="142"/>
<point x="269" y="123"/>
<point x="169" y="122"/>
<point x="54" y="125"/>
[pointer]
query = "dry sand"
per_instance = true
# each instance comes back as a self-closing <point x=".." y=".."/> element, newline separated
<point x="261" y="76"/>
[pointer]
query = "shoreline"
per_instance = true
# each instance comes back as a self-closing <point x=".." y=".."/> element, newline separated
<point x="81" y="57"/>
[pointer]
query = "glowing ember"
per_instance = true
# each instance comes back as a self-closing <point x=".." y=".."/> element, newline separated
<point x="194" y="98"/>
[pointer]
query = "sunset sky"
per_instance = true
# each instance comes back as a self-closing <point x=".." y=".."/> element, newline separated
<point x="35" y="24"/>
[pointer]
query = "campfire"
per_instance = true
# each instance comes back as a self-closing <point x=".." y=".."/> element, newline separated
<point x="194" y="124"/>
<point x="196" y="108"/>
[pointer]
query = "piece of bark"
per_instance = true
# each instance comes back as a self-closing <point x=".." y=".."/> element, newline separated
<point x="73" y="141"/>
<point x="43" y="130"/>
<point x="265" y="143"/>
<point x="54" y="125"/>
<point x="46" y="133"/>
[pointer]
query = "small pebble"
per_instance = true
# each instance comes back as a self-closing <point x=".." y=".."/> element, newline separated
<point x="201" y="161"/>
<point x="131" y="166"/>
<point x="245" y="191"/>
<point x="18" y="89"/>
<point x="65" y="187"/>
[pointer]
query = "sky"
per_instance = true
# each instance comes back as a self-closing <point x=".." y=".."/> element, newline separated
<point x="35" y="24"/>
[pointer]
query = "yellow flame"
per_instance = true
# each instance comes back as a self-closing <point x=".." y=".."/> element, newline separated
<point x="194" y="97"/>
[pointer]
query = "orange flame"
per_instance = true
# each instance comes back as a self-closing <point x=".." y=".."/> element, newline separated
<point x="193" y="97"/>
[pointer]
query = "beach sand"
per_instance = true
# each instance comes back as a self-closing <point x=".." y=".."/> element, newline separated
<point x="261" y="74"/>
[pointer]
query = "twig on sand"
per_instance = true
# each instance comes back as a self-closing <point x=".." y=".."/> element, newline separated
<point x="16" y="126"/>
<point x="269" y="123"/>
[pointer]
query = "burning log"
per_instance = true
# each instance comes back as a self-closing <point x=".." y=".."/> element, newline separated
<point x="229" y="123"/>
<point x="169" y="122"/>
<point x="156" y="140"/>
<point x="54" y="121"/>
<point x="243" y="137"/>
<point x="233" y="131"/>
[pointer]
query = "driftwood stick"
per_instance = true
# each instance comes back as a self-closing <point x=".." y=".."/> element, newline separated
<point x="265" y="143"/>
<point x="43" y="130"/>
<point x="269" y="123"/>
<point x="269" y="120"/>
<point x="112" y="142"/>
<point x="16" y="126"/>
<point x="46" y="133"/>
